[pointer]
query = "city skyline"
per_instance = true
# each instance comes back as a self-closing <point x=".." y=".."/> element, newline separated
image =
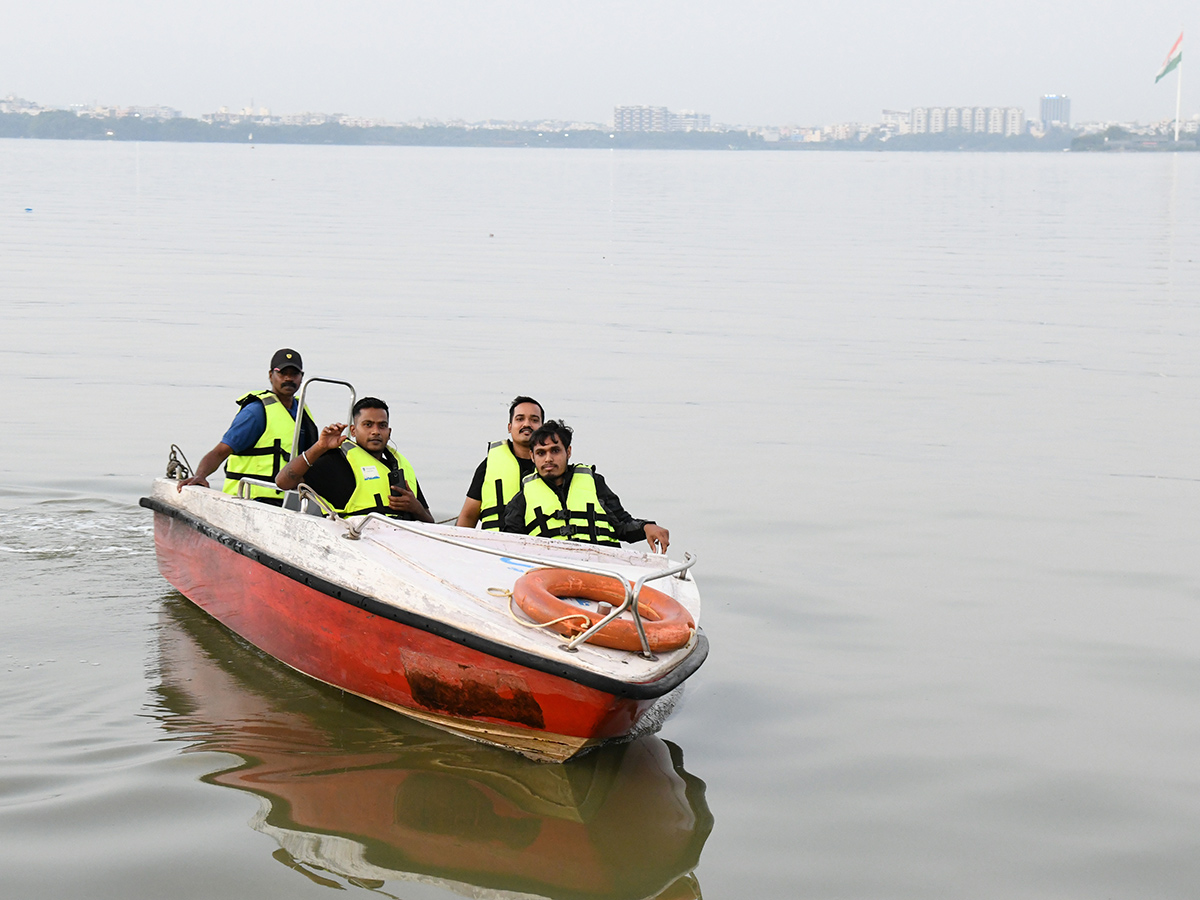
<point x="1006" y="120"/>
<point x="529" y="59"/>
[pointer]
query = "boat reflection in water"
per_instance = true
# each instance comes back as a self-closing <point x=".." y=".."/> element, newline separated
<point x="358" y="796"/>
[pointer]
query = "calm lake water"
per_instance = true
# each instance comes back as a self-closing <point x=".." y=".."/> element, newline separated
<point x="930" y="423"/>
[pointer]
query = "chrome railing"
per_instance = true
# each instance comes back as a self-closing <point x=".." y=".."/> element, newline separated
<point x="308" y="495"/>
<point x="296" y="448"/>
<point x="246" y="483"/>
<point x="632" y="590"/>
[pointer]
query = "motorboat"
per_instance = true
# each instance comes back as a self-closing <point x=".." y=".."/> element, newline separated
<point x="421" y="618"/>
<point x="353" y="799"/>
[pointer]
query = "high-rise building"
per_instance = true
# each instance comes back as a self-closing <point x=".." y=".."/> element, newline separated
<point x="641" y="118"/>
<point x="688" y="120"/>
<point x="1004" y="120"/>
<point x="659" y="118"/>
<point x="1014" y="121"/>
<point x="1056" y="111"/>
<point x="896" y="121"/>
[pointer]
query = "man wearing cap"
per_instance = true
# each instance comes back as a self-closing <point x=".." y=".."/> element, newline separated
<point x="258" y="443"/>
<point x="498" y="478"/>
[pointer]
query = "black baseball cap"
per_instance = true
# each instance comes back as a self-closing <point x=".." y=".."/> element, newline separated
<point x="284" y="358"/>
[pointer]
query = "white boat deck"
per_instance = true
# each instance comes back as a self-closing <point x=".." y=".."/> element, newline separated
<point x="407" y="568"/>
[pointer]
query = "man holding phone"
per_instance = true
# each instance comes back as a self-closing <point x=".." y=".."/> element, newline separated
<point x="366" y="474"/>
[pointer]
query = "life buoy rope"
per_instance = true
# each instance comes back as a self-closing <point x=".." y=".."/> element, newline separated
<point x="540" y="592"/>
<point x="505" y="592"/>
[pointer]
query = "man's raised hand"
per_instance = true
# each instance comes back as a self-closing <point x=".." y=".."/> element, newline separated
<point x="658" y="538"/>
<point x="331" y="436"/>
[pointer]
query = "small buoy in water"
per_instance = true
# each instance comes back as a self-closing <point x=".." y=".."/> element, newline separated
<point x="491" y="235"/>
<point x="29" y="209"/>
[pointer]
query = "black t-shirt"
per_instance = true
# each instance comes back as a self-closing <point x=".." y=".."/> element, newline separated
<point x="475" y="491"/>
<point x="332" y="477"/>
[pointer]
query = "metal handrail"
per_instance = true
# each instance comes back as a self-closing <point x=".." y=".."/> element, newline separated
<point x="631" y="603"/>
<point x="300" y="418"/>
<point x="308" y="494"/>
<point x="355" y="530"/>
<point x="248" y="482"/>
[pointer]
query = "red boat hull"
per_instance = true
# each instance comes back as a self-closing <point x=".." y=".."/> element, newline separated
<point x="398" y="665"/>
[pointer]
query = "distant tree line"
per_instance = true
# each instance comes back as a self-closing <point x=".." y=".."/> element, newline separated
<point x="1116" y="138"/>
<point x="65" y="125"/>
<point x="971" y="141"/>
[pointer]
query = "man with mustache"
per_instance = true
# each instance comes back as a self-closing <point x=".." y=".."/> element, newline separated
<point x="573" y="503"/>
<point x="254" y="445"/>
<point x="362" y="474"/>
<point x="498" y="478"/>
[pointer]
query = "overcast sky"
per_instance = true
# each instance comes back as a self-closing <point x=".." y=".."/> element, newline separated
<point x="799" y="62"/>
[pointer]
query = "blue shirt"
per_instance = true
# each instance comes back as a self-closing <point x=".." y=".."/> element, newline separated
<point x="248" y="426"/>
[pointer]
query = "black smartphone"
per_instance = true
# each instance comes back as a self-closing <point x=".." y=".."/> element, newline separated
<point x="397" y="481"/>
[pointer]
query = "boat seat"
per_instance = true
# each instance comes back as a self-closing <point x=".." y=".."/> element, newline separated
<point x="291" y="500"/>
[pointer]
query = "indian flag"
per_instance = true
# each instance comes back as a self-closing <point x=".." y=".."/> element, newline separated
<point x="1173" y="59"/>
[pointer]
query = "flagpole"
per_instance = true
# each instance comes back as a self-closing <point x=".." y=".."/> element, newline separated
<point x="1178" y="89"/>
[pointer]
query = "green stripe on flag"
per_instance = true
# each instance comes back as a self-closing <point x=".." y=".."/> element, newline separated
<point x="1168" y="68"/>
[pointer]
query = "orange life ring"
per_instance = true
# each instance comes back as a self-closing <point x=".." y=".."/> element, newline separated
<point x="539" y="591"/>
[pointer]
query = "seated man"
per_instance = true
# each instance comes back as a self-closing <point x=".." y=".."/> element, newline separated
<point x="593" y="513"/>
<point x="253" y="447"/>
<point x="498" y="478"/>
<point x="365" y="475"/>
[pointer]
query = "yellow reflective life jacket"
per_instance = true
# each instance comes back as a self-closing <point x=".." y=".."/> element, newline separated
<point x="586" y="519"/>
<point x="501" y="482"/>
<point x="371" y="484"/>
<point x="266" y="458"/>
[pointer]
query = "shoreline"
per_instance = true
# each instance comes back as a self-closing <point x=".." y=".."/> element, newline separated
<point x="64" y="125"/>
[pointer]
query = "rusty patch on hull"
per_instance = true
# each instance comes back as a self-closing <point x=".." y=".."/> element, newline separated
<point x="469" y="691"/>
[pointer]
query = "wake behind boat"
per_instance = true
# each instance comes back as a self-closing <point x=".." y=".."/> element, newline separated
<point x="420" y="617"/>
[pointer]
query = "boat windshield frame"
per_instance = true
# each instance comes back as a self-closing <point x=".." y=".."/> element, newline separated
<point x="296" y="448"/>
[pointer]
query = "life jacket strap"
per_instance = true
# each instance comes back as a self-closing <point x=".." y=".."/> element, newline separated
<point x="542" y="522"/>
<point x="497" y="510"/>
